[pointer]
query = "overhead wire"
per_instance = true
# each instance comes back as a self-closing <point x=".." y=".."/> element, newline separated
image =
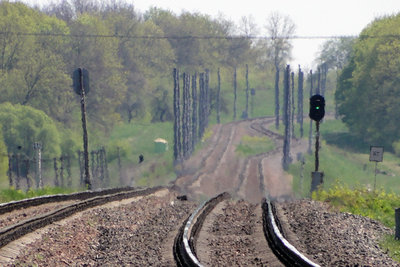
<point x="178" y="37"/>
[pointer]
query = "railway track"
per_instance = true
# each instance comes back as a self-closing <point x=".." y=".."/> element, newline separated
<point x="220" y="169"/>
<point x="254" y="163"/>
<point x="274" y="251"/>
<point x="217" y="221"/>
<point x="64" y="206"/>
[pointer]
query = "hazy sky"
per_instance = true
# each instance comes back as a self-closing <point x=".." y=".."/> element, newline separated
<point x="311" y="17"/>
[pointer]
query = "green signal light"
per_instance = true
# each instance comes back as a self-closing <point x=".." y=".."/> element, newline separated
<point x="316" y="107"/>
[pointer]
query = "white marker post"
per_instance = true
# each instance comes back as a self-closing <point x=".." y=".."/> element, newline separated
<point x="376" y="154"/>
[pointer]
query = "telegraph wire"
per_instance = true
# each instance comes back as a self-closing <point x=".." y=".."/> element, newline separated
<point x="183" y="37"/>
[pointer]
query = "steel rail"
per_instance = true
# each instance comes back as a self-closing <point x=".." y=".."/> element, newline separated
<point x="184" y="245"/>
<point x="285" y="251"/>
<point x="13" y="232"/>
<point x="36" y="201"/>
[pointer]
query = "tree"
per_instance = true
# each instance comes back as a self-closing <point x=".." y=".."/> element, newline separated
<point x="280" y="29"/>
<point x="32" y="67"/>
<point x="335" y="53"/>
<point x="161" y="106"/>
<point x="368" y="94"/>
<point x="22" y="126"/>
<point x="100" y="57"/>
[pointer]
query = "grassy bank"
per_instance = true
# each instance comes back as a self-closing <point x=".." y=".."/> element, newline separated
<point x="349" y="179"/>
<point x="377" y="205"/>
<point x="10" y="194"/>
<point x="345" y="160"/>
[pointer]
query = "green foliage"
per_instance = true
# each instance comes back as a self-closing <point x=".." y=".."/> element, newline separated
<point x="396" y="148"/>
<point x="116" y="147"/>
<point x="345" y="159"/>
<point x="100" y="58"/>
<point x="138" y="138"/>
<point x="376" y="205"/>
<point x="3" y="161"/>
<point x="336" y="52"/>
<point x="254" y="145"/>
<point x="207" y="134"/>
<point x="70" y="143"/>
<point x="130" y="78"/>
<point x="368" y="93"/>
<point x="390" y="244"/>
<point x="11" y="194"/>
<point x="22" y="126"/>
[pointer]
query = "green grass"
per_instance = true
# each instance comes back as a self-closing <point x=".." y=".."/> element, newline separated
<point x="345" y="160"/>
<point x="254" y="145"/>
<point x="377" y="205"/>
<point x="392" y="246"/>
<point x="138" y="138"/>
<point x="10" y="194"/>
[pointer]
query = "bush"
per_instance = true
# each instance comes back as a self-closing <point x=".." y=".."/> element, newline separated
<point x="377" y="205"/>
<point x="396" y="148"/>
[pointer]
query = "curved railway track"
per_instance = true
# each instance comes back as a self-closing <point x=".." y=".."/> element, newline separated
<point x="278" y="252"/>
<point x="220" y="169"/>
<point x="66" y="205"/>
<point x="189" y="246"/>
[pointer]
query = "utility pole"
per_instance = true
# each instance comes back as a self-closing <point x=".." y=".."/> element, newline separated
<point x="81" y="87"/>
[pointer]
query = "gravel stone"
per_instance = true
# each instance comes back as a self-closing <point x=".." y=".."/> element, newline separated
<point x="128" y="235"/>
<point x="336" y="238"/>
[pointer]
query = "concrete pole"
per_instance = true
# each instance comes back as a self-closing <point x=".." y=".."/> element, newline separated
<point x="38" y="172"/>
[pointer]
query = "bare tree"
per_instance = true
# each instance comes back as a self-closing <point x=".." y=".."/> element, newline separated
<point x="248" y="26"/>
<point x="280" y="29"/>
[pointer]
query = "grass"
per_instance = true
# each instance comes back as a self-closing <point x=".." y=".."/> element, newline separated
<point x="377" y="205"/>
<point x="349" y="179"/>
<point x="392" y="246"/>
<point x="254" y="145"/>
<point x="345" y="160"/>
<point x="10" y="194"/>
<point x="157" y="168"/>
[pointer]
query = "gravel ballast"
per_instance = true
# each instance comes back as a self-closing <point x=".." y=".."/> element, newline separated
<point x="128" y="235"/>
<point x="335" y="238"/>
<point x="141" y="233"/>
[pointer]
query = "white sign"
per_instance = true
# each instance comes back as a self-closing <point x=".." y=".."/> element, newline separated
<point x="376" y="153"/>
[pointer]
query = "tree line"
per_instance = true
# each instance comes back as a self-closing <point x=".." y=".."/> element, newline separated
<point x="368" y="93"/>
<point x="128" y="54"/>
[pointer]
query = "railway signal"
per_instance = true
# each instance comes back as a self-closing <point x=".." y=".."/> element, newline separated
<point x="317" y="107"/>
<point x="80" y="78"/>
<point x="317" y="113"/>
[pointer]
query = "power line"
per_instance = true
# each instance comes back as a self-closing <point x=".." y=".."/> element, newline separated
<point x="183" y="37"/>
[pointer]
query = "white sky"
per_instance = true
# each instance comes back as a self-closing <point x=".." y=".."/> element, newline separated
<point x="311" y="17"/>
